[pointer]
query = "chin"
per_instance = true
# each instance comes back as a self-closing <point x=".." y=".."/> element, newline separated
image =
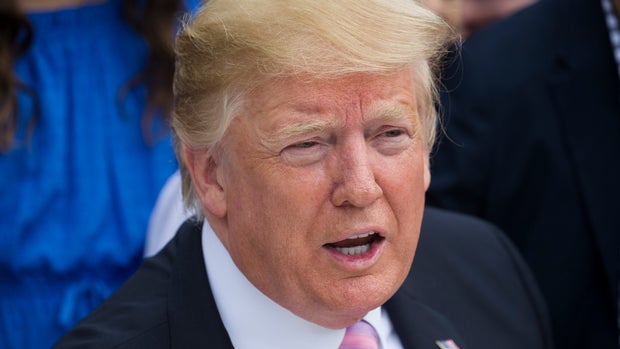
<point x="369" y="294"/>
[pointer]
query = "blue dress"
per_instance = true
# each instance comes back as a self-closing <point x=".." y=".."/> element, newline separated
<point x="77" y="189"/>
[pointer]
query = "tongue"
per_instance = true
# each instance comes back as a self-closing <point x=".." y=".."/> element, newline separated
<point x="354" y="242"/>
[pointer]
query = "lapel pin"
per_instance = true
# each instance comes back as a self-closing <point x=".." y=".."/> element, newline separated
<point x="446" y="344"/>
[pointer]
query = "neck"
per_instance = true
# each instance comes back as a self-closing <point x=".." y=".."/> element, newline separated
<point x="52" y="5"/>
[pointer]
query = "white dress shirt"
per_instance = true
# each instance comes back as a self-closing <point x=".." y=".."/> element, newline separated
<point x="167" y="216"/>
<point x="254" y="321"/>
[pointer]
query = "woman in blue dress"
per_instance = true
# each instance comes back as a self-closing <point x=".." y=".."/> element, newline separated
<point x="84" y="150"/>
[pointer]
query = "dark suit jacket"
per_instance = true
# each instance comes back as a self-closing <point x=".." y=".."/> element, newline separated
<point x="533" y="123"/>
<point x="467" y="284"/>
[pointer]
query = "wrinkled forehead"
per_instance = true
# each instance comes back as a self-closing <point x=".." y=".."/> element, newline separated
<point x="364" y="92"/>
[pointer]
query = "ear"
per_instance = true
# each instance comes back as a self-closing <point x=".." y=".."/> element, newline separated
<point x="427" y="172"/>
<point x="204" y="168"/>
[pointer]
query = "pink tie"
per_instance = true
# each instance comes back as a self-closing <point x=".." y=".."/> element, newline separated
<point x="360" y="335"/>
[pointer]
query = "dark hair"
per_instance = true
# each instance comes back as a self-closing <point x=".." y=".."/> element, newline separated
<point x="154" y="20"/>
<point x="15" y="38"/>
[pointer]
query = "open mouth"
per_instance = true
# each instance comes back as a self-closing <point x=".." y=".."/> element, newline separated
<point x="356" y="245"/>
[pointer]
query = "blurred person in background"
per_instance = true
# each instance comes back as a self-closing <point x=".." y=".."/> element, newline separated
<point x="450" y="10"/>
<point x="85" y="95"/>
<point x="476" y="14"/>
<point x="468" y="16"/>
<point x="532" y="113"/>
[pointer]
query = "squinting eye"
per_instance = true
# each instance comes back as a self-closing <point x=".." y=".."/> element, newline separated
<point x="308" y="144"/>
<point x="393" y="133"/>
<point x="304" y="153"/>
<point x="392" y="140"/>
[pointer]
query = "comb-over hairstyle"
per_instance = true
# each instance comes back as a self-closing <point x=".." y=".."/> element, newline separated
<point x="232" y="46"/>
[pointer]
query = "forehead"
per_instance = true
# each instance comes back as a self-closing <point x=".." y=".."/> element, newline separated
<point x="361" y="94"/>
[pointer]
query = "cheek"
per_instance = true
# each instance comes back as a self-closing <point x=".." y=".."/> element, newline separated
<point x="404" y="188"/>
<point x="406" y="199"/>
<point x="278" y="208"/>
<point x="295" y="195"/>
<point x="404" y="176"/>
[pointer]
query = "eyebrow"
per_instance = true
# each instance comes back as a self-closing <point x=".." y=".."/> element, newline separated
<point x="382" y="112"/>
<point x="294" y="129"/>
<point x="391" y="111"/>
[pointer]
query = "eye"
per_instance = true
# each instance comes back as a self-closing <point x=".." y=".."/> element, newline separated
<point x="305" y="145"/>
<point x="393" y="133"/>
<point x="392" y="140"/>
<point x="304" y="153"/>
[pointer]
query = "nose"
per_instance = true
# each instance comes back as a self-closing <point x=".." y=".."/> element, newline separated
<point x="354" y="177"/>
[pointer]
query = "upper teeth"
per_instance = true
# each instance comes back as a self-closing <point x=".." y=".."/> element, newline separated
<point x="361" y="235"/>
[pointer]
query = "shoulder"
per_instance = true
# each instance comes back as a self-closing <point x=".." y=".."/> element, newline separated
<point x="463" y="233"/>
<point x="449" y="237"/>
<point x="443" y="220"/>
<point x="136" y="315"/>
<point x="466" y="269"/>
<point x="458" y="242"/>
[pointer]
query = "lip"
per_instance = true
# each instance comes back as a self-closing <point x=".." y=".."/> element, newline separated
<point x="360" y="261"/>
<point x="359" y="231"/>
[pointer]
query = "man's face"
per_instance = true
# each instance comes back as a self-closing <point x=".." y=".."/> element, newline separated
<point x="323" y="187"/>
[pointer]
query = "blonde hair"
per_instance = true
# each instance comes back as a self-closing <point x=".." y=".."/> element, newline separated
<point x="231" y="46"/>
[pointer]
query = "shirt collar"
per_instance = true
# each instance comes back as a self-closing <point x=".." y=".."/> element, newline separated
<point x="255" y="321"/>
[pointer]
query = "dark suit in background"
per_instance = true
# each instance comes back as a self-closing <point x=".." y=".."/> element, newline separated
<point x="467" y="283"/>
<point x="533" y="124"/>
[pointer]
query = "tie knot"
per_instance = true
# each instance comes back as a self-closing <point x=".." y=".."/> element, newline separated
<point x="360" y="335"/>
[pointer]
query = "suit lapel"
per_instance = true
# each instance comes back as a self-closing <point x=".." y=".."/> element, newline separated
<point x="587" y="98"/>
<point x="194" y="319"/>
<point x="417" y="325"/>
